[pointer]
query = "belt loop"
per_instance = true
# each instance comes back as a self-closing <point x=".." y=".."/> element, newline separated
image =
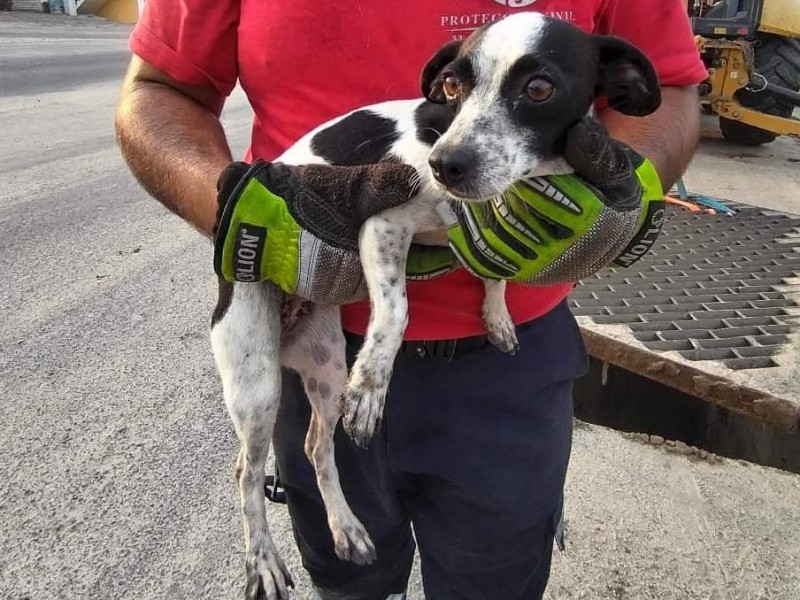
<point x="452" y="351"/>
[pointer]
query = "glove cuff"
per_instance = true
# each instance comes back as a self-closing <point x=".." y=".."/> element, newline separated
<point x="649" y="180"/>
<point x="651" y="218"/>
<point x="256" y="238"/>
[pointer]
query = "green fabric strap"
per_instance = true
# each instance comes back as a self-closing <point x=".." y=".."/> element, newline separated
<point x="652" y="190"/>
<point x="651" y="182"/>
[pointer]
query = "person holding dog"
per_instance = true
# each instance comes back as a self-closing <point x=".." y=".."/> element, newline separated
<point x="475" y="445"/>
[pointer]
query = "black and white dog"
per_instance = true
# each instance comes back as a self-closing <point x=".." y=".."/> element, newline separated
<point x="496" y="108"/>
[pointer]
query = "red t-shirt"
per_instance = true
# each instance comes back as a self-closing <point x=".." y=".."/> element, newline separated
<point x="303" y="62"/>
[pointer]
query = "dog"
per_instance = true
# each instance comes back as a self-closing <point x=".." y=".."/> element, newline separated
<point x="495" y="109"/>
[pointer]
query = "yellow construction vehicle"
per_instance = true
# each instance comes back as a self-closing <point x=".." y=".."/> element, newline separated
<point x="751" y="49"/>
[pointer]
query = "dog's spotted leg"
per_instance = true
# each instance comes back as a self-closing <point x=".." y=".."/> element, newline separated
<point x="316" y="350"/>
<point x="384" y="243"/>
<point x="496" y="317"/>
<point x="245" y="341"/>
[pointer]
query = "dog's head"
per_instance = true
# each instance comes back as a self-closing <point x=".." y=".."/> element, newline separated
<point x="516" y="86"/>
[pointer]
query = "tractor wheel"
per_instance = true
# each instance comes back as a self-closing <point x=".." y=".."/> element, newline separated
<point x="778" y="60"/>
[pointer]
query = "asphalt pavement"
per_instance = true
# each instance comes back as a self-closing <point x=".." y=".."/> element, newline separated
<point x="116" y="453"/>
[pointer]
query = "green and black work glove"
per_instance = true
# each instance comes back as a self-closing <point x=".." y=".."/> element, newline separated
<point x="563" y="228"/>
<point x="298" y="226"/>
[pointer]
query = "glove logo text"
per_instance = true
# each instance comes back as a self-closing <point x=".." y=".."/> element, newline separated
<point x="647" y="236"/>
<point x="247" y="251"/>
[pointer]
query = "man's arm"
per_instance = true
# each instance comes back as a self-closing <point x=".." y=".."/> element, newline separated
<point x="668" y="137"/>
<point x="172" y="139"/>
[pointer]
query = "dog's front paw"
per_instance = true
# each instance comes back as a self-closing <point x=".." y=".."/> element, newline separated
<point x="502" y="332"/>
<point x="496" y="317"/>
<point x="352" y="542"/>
<point x="267" y="576"/>
<point x="505" y="338"/>
<point x="362" y="406"/>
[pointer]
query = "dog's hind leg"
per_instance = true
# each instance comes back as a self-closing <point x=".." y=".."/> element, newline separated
<point x="316" y="350"/>
<point x="496" y="317"/>
<point x="245" y="337"/>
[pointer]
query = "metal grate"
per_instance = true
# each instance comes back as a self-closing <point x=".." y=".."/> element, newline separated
<point x="712" y="288"/>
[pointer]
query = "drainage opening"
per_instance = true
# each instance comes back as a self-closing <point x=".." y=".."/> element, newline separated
<point x="628" y="402"/>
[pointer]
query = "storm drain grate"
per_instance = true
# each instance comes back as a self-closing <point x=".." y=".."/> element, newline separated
<point x="713" y="288"/>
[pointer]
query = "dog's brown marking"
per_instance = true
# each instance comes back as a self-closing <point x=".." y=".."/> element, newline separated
<point x="320" y="354"/>
<point x="324" y="390"/>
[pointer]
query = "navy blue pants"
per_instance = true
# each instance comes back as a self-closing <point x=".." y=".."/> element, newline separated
<point x="473" y="452"/>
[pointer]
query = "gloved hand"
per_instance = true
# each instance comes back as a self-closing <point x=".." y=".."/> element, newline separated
<point x="429" y="262"/>
<point x="562" y="228"/>
<point x="298" y="226"/>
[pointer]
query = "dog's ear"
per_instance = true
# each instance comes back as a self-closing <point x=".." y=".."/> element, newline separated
<point x="430" y="81"/>
<point x="626" y="77"/>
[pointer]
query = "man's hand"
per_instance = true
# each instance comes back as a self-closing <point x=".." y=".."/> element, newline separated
<point x="298" y="226"/>
<point x="562" y="228"/>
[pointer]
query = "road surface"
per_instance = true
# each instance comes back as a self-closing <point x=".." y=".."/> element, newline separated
<point x="116" y="453"/>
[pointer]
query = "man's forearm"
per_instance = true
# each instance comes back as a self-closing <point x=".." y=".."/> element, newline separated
<point x="668" y="137"/>
<point x="175" y="147"/>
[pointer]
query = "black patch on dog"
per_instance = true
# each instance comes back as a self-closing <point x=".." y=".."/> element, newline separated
<point x="564" y="56"/>
<point x="583" y="67"/>
<point x="430" y="81"/>
<point x="361" y="138"/>
<point x="474" y="40"/>
<point x="224" y="297"/>
<point x="432" y="120"/>
<point x="627" y="77"/>
<point x="580" y="67"/>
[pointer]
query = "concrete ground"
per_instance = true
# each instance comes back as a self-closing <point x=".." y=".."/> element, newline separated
<point x="116" y="454"/>
<point x="767" y="175"/>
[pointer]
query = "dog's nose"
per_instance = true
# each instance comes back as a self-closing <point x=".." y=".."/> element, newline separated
<point x="451" y="167"/>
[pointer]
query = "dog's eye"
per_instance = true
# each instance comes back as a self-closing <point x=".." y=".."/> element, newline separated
<point x="539" y="89"/>
<point x="451" y="86"/>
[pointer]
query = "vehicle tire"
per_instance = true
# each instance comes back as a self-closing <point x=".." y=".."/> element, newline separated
<point x="778" y="60"/>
